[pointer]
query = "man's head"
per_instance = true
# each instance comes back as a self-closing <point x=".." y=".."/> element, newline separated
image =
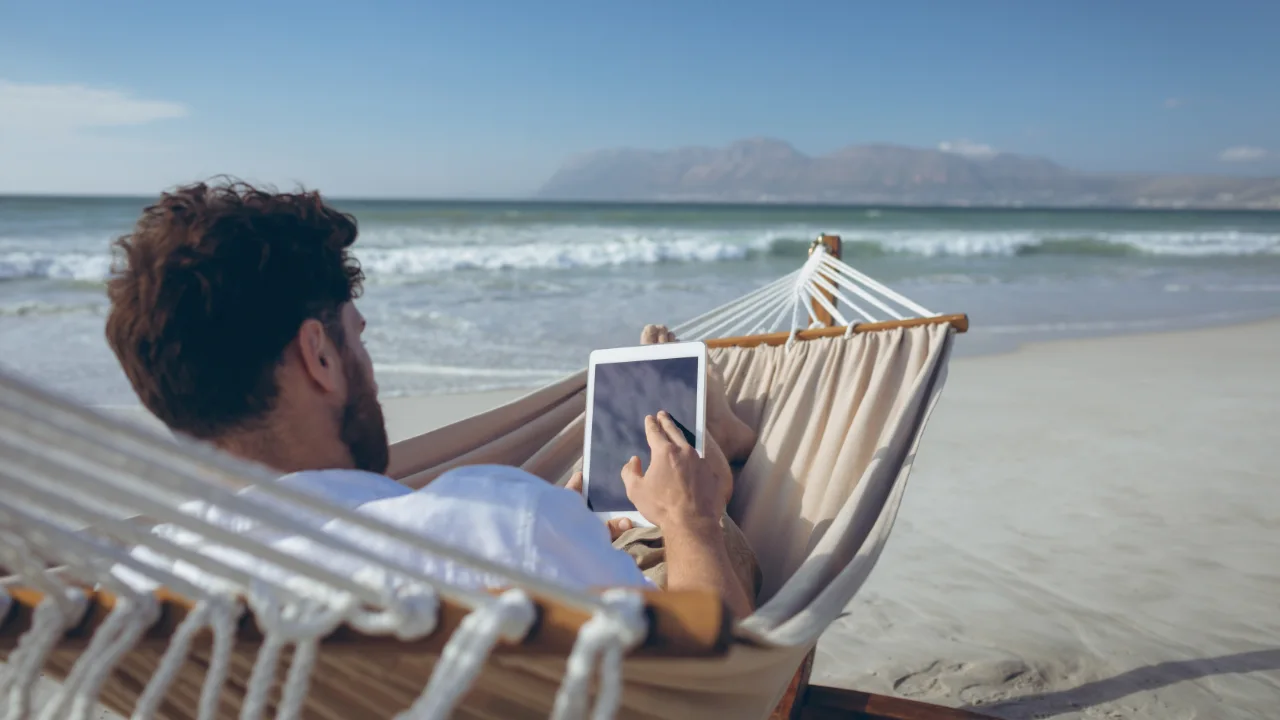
<point x="232" y="315"/>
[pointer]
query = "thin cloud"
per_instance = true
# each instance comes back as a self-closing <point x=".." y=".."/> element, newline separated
<point x="1242" y="153"/>
<point x="967" y="148"/>
<point x="1174" y="103"/>
<point x="47" y="109"/>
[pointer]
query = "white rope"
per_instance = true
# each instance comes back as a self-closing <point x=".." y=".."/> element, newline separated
<point x="77" y="473"/>
<point x="824" y="281"/>
<point x="132" y="614"/>
<point x="601" y="642"/>
<point x="507" y="617"/>
<point x="299" y="622"/>
<point x="26" y="661"/>
<point x="853" y="274"/>
<point x="685" y="328"/>
<point x="844" y="282"/>
<point x="130" y="617"/>
<point x="753" y="323"/>
<point x="223" y="611"/>
<point x="782" y="316"/>
<point x="204" y="614"/>
<point x="726" y="317"/>
<point x="414" y="612"/>
<point x="62" y="607"/>
<point x="171" y="662"/>
<point x="171" y="464"/>
<point x="24" y="487"/>
<point x="821" y="300"/>
<point x="223" y="624"/>
<point x="731" y="322"/>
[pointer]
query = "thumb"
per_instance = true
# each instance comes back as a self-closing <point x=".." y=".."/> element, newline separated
<point x="619" y="526"/>
<point x="632" y="471"/>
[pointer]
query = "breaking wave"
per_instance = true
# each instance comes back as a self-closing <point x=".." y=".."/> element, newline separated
<point x="71" y="266"/>
<point x="406" y="252"/>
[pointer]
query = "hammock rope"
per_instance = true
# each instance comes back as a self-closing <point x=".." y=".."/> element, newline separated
<point x="75" y="480"/>
<point x="603" y="640"/>
<point x="507" y="618"/>
<point x="822" y="280"/>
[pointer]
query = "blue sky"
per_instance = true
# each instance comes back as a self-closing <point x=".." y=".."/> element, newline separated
<point x="475" y="98"/>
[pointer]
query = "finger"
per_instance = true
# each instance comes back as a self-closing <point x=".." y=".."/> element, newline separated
<point x="649" y="335"/>
<point x="671" y="337"/>
<point x="656" y="434"/>
<point x="618" y="526"/>
<point x="673" y="430"/>
<point x="575" y="482"/>
<point x="664" y="335"/>
<point x="631" y="472"/>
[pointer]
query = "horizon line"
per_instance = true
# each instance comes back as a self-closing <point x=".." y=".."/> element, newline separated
<point x="798" y="205"/>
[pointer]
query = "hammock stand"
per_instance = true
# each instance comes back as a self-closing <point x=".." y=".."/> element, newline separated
<point x="680" y="625"/>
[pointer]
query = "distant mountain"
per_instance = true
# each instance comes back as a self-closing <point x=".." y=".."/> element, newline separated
<point x="767" y="170"/>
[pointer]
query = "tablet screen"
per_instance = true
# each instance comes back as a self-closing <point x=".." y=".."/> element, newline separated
<point x="624" y="393"/>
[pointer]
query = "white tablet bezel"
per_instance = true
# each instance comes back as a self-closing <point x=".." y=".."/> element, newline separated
<point x="661" y="351"/>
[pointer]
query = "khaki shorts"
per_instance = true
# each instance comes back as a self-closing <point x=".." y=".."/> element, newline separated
<point x="645" y="545"/>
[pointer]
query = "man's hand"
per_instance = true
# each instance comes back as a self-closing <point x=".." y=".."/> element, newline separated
<point x="685" y="495"/>
<point x="679" y="489"/>
<point x="617" y="526"/>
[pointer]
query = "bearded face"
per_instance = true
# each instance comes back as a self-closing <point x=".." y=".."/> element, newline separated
<point x="362" y="427"/>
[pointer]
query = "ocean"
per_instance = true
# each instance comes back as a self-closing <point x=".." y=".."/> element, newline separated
<point x="465" y="296"/>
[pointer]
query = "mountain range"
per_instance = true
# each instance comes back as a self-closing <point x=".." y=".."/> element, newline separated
<point x="769" y="170"/>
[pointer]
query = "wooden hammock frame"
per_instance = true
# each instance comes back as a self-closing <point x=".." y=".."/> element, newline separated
<point x="682" y="624"/>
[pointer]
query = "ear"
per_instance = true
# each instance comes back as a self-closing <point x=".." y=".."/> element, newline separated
<point x="319" y="356"/>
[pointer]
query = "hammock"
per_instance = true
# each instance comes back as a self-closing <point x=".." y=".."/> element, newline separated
<point x="837" y="372"/>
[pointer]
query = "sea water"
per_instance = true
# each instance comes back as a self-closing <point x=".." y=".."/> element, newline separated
<point x="464" y="296"/>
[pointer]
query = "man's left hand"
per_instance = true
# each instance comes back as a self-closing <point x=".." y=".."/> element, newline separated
<point x="617" y="526"/>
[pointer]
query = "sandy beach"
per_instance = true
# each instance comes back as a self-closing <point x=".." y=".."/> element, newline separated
<point x="1092" y="530"/>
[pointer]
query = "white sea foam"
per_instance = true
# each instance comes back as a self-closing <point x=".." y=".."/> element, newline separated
<point x="455" y="371"/>
<point x="406" y="252"/>
<point x="1058" y="242"/>
<point x="77" y="266"/>
<point x="425" y="259"/>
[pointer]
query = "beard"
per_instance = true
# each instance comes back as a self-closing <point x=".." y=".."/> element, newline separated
<point x="362" y="427"/>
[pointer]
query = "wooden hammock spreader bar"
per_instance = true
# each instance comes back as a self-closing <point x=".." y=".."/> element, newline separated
<point x="681" y="624"/>
<point x="960" y="322"/>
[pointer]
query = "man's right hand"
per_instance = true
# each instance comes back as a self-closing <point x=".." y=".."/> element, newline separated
<point x="684" y="495"/>
<point x="679" y="490"/>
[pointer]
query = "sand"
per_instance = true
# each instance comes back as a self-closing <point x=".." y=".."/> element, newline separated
<point x="1092" y="530"/>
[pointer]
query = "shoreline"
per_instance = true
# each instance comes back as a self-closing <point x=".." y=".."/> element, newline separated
<point x="403" y="422"/>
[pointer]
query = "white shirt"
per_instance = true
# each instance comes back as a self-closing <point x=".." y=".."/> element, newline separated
<point x="500" y="513"/>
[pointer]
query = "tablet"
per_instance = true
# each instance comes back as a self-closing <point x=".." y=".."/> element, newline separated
<point x="623" y="386"/>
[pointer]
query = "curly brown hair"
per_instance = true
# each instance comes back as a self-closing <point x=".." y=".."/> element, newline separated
<point x="211" y="287"/>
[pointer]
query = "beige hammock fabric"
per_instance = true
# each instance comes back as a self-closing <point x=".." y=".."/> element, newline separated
<point x="839" y="419"/>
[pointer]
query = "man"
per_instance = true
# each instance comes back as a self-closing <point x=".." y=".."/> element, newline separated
<point x="233" y="315"/>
